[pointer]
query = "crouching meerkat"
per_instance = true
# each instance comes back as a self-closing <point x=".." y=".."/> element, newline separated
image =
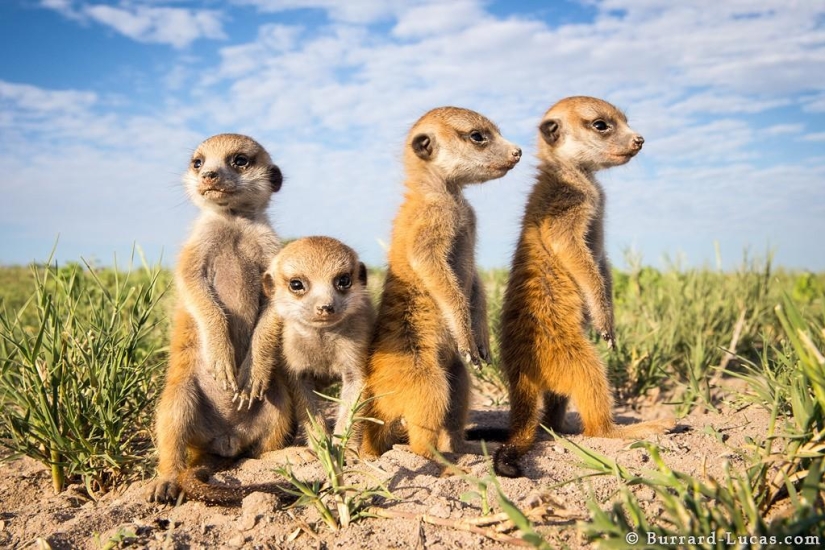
<point x="218" y="280"/>
<point x="433" y="311"/>
<point x="560" y="280"/>
<point x="319" y="321"/>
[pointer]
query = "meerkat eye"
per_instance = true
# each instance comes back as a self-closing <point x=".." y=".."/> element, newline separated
<point x="344" y="282"/>
<point x="600" y="126"/>
<point x="197" y="163"/>
<point x="240" y="161"/>
<point x="477" y="137"/>
<point x="296" y="285"/>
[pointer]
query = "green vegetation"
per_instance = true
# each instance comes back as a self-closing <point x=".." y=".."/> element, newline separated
<point x="788" y="464"/>
<point x="82" y="352"/>
<point x="80" y="358"/>
<point x="337" y="500"/>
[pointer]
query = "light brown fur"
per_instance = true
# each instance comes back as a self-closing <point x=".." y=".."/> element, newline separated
<point x="433" y="311"/>
<point x="320" y="319"/>
<point x="218" y="280"/>
<point x="560" y="280"/>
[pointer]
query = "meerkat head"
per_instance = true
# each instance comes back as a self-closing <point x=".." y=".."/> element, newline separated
<point x="313" y="280"/>
<point x="589" y="132"/>
<point x="232" y="173"/>
<point x="459" y="146"/>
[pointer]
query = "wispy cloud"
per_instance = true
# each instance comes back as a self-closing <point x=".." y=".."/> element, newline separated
<point x="144" y="22"/>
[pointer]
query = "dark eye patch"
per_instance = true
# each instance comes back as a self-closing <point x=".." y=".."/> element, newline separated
<point x="477" y="137"/>
<point x="343" y="282"/>
<point x="600" y="125"/>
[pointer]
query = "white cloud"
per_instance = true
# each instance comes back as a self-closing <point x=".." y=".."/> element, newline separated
<point x="815" y="104"/>
<point x="23" y="98"/>
<point x="783" y="129"/>
<point x="817" y="136"/>
<point x="145" y="22"/>
<point x="178" y="27"/>
<point x="437" y="19"/>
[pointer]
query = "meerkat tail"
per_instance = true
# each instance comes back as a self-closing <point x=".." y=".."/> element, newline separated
<point x="196" y="486"/>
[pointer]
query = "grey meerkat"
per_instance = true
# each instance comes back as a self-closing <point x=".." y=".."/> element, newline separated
<point x="320" y="319"/>
<point x="560" y="282"/>
<point x="433" y="311"/>
<point x="218" y="280"/>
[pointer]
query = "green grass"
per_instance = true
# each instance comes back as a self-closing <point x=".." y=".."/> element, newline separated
<point x="81" y="351"/>
<point x="336" y="497"/>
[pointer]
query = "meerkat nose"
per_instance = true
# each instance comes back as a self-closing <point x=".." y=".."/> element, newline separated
<point x="325" y="309"/>
<point x="211" y="175"/>
<point x="638" y="141"/>
<point x="517" y="153"/>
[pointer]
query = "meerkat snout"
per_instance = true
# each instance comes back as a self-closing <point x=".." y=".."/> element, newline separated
<point x="638" y="141"/>
<point x="323" y="310"/>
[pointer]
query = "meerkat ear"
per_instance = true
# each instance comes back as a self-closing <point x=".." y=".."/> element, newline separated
<point x="362" y="273"/>
<point x="275" y="178"/>
<point x="550" y="131"/>
<point x="268" y="284"/>
<point x="423" y="144"/>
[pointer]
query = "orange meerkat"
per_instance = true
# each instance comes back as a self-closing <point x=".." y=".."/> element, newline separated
<point x="560" y="280"/>
<point x="433" y="311"/>
<point x="218" y="279"/>
<point x="320" y="319"/>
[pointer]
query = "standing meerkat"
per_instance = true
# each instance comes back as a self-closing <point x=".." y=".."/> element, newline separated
<point x="433" y="312"/>
<point x="560" y="280"/>
<point x="218" y="279"/>
<point x="320" y="321"/>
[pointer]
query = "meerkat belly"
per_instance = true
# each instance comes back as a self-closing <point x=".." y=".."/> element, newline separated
<point x="410" y="318"/>
<point x="236" y="281"/>
<point x="311" y="353"/>
<point x="545" y="291"/>
<point x="227" y="431"/>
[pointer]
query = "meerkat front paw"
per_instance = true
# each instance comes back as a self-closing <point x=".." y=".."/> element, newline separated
<point x="607" y="333"/>
<point x="483" y="351"/>
<point x="471" y="358"/>
<point x="222" y="365"/>
<point x="254" y="389"/>
<point x="253" y="384"/>
<point x="610" y="339"/>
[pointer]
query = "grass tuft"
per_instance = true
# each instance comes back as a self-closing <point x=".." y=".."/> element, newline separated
<point x="78" y="372"/>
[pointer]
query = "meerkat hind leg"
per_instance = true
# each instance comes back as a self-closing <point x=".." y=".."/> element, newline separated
<point x="525" y="394"/>
<point x="555" y="410"/>
<point x="588" y="386"/>
<point x="454" y="438"/>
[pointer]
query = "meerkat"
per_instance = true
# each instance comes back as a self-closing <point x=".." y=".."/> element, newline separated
<point x="560" y="281"/>
<point x="321" y="319"/>
<point x="433" y="311"/>
<point x="218" y="280"/>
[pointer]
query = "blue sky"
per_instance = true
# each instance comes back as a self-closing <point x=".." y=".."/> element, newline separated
<point x="101" y="104"/>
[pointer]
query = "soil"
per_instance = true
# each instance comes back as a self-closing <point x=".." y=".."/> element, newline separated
<point x="31" y="515"/>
